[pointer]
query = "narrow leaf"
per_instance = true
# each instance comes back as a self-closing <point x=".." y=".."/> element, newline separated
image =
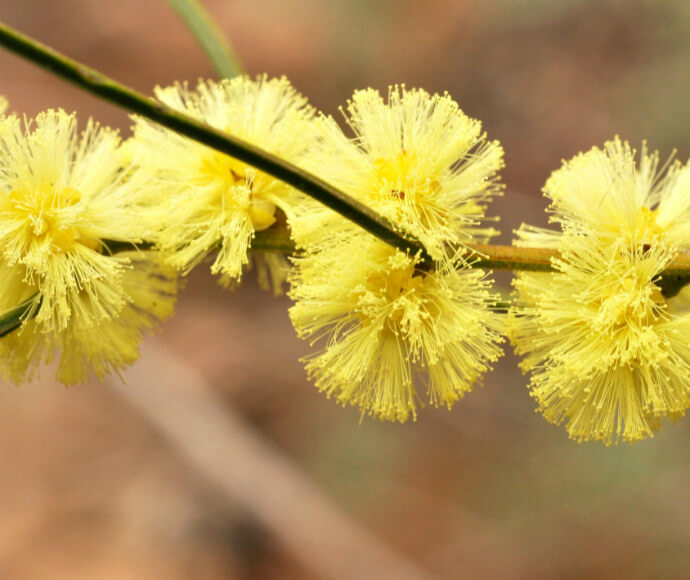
<point x="12" y="319"/>
<point x="208" y="36"/>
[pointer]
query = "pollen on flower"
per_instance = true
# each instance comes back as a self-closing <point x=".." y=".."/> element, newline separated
<point x="206" y="201"/>
<point x="225" y="174"/>
<point x="648" y="227"/>
<point x="48" y="215"/>
<point x="396" y="180"/>
<point x="217" y="169"/>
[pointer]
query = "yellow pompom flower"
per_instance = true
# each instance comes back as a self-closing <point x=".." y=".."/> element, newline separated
<point x="609" y="352"/>
<point x="608" y="191"/>
<point x="387" y="325"/>
<point x="62" y="197"/>
<point x="90" y="343"/>
<point x="384" y="320"/>
<point x="416" y="159"/>
<point x="205" y="201"/>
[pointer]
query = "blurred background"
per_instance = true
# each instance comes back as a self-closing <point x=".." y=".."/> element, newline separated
<point x="243" y="470"/>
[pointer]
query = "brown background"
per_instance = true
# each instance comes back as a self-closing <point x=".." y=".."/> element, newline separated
<point x="90" y="488"/>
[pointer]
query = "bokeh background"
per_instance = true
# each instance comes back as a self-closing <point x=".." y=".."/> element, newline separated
<point x="243" y="470"/>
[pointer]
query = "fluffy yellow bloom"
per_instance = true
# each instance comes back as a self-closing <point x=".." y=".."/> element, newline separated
<point x="387" y="326"/>
<point x="607" y="190"/>
<point x="206" y="201"/>
<point x="608" y="352"/>
<point x="384" y="320"/>
<point x="62" y="195"/>
<point x="416" y="159"/>
<point x="90" y="343"/>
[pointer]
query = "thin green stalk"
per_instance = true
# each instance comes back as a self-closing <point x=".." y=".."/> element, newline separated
<point x="495" y="257"/>
<point x="107" y="89"/>
<point x="208" y="36"/>
<point x="674" y="278"/>
<point x="12" y="319"/>
<point x="491" y="257"/>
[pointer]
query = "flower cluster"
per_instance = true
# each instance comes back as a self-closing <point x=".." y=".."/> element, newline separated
<point x="421" y="162"/>
<point x="417" y="159"/>
<point x="94" y="234"/>
<point x="607" y="344"/>
<point x="201" y="201"/>
<point x="383" y="318"/>
<point x="64" y="198"/>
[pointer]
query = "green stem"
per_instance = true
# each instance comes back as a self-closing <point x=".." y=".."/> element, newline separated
<point x="125" y="97"/>
<point x="493" y="257"/>
<point x="489" y="256"/>
<point x="208" y="36"/>
<point x="12" y="319"/>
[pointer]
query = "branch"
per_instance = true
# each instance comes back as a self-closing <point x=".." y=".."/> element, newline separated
<point x="109" y="90"/>
<point x="674" y="278"/>
<point x="492" y="257"/>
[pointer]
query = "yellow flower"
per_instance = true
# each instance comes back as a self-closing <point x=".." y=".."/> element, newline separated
<point x="383" y="320"/>
<point x="62" y="196"/>
<point x="608" y="191"/>
<point x="609" y="353"/>
<point x="206" y="201"/>
<point x="90" y="343"/>
<point x="416" y="159"/>
<point x="387" y="324"/>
